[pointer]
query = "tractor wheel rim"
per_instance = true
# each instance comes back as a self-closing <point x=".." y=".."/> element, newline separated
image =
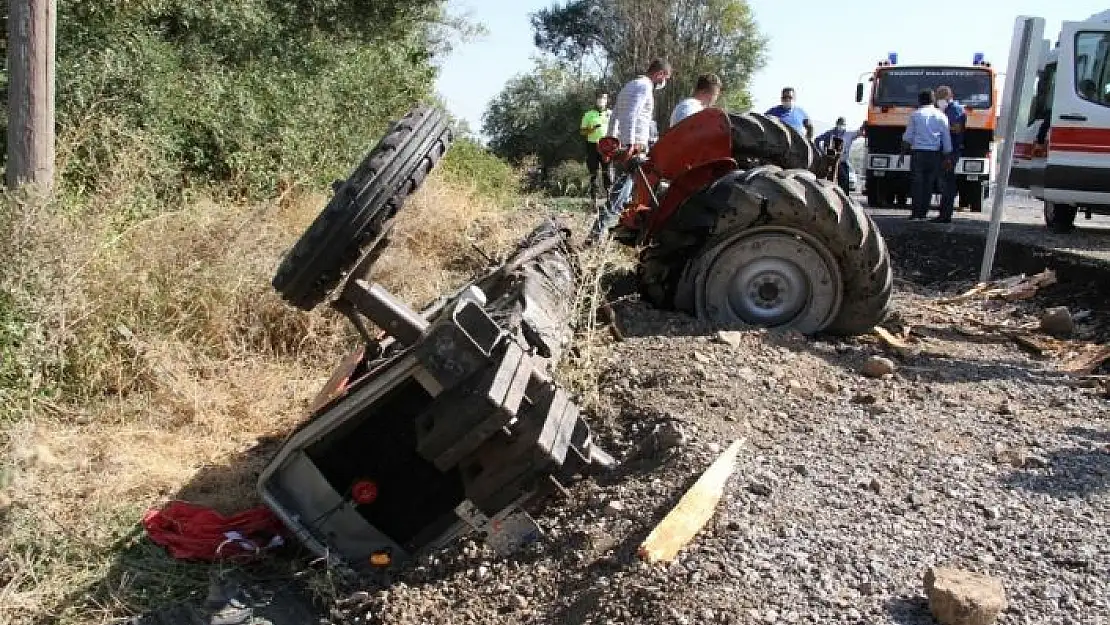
<point x="771" y="277"/>
<point x="769" y="291"/>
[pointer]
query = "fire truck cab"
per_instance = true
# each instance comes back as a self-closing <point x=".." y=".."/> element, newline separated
<point x="894" y="92"/>
<point x="1062" y="142"/>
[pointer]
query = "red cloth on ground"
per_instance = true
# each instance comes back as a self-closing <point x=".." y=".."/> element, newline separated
<point x="193" y="532"/>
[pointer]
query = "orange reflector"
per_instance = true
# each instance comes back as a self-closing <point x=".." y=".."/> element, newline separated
<point x="380" y="558"/>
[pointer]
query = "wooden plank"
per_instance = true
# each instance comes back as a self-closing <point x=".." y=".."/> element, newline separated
<point x="890" y="339"/>
<point x="1088" y="363"/>
<point x="692" y="512"/>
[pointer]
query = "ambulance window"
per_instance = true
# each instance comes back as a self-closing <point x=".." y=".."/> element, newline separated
<point x="1046" y="88"/>
<point x="1092" y="54"/>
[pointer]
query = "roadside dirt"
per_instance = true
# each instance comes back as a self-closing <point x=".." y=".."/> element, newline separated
<point x="975" y="453"/>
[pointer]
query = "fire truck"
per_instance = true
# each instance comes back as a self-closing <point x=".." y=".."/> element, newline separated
<point x="1062" y="142"/>
<point x="894" y="92"/>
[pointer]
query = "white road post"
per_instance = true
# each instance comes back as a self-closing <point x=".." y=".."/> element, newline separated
<point x="1022" y="67"/>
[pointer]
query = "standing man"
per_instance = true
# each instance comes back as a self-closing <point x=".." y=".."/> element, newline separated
<point x="706" y="92"/>
<point x="957" y="119"/>
<point x="792" y="115"/>
<point x="593" y="127"/>
<point x="824" y="142"/>
<point x="927" y="136"/>
<point x="631" y="125"/>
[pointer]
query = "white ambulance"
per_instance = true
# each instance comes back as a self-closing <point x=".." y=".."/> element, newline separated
<point x="1062" y="142"/>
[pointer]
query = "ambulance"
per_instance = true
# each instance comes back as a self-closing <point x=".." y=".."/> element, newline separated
<point x="1062" y="142"/>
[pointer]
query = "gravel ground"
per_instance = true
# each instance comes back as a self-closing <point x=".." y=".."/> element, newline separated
<point x="972" y="454"/>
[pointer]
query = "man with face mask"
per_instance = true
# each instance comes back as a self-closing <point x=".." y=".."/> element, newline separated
<point x="594" y="125"/>
<point x="824" y="142"/>
<point x="957" y="118"/>
<point x="791" y="114"/>
<point x="635" y="107"/>
<point x="631" y="125"/>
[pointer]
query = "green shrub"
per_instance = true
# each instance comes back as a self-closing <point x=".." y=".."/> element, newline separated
<point x="568" y="179"/>
<point x="468" y="163"/>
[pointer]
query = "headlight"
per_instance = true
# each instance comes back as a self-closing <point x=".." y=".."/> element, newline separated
<point x="973" y="167"/>
<point x="880" y="162"/>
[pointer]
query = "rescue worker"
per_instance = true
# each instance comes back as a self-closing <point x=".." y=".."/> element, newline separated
<point x="824" y="142"/>
<point x="957" y="120"/>
<point x="927" y="137"/>
<point x="595" y="123"/>
<point x="631" y="125"/>
<point x="791" y="114"/>
<point x="706" y="92"/>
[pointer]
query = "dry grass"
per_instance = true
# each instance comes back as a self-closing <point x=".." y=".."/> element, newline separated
<point x="157" y="357"/>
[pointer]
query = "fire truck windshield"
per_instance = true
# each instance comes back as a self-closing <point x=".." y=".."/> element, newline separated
<point x="899" y="86"/>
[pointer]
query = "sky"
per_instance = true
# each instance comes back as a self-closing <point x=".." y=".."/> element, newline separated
<point x="820" y="50"/>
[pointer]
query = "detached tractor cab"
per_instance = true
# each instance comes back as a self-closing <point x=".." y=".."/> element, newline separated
<point x="893" y="97"/>
<point x="1062" y="142"/>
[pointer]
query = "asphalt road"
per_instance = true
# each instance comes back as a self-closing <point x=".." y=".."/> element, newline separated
<point x="1022" y="223"/>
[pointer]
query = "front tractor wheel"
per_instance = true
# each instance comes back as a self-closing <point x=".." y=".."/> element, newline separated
<point x="784" y="249"/>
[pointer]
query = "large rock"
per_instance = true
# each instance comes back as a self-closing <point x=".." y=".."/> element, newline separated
<point x="1057" y="321"/>
<point x="958" y="597"/>
<point x="877" y="367"/>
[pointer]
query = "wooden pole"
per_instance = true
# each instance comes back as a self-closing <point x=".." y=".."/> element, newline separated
<point x="32" y="26"/>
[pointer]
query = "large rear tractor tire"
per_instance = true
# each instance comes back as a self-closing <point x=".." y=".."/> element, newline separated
<point x="774" y="248"/>
<point x="363" y="207"/>
<point x="767" y="141"/>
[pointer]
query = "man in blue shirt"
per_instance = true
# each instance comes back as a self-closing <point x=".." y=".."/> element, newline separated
<point x="927" y="137"/>
<point x="824" y="142"/>
<point x="792" y="115"/>
<point x="957" y="119"/>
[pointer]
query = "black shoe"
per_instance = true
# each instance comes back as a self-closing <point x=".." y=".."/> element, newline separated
<point x="941" y="220"/>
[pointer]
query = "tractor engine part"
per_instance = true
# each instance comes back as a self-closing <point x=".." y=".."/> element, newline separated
<point x="446" y="423"/>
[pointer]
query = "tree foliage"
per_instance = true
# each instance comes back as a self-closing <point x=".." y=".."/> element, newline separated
<point x="623" y="36"/>
<point x="538" y="114"/>
<point x="243" y="94"/>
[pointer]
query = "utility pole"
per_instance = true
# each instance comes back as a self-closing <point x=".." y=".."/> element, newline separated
<point x="32" y="26"/>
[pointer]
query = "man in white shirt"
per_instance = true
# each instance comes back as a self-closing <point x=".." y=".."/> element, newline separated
<point x="631" y="125"/>
<point x="706" y="92"/>
<point x="631" y="119"/>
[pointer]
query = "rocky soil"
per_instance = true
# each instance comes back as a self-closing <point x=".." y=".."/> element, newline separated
<point x="972" y="454"/>
<point x="863" y="466"/>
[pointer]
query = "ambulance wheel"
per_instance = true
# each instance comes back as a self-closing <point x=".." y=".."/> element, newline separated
<point x="1059" y="217"/>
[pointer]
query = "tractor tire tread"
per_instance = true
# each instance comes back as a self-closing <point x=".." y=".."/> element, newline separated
<point x="363" y="207"/>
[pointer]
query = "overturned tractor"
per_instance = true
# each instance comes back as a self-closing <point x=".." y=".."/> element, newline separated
<point x="448" y="420"/>
<point x="738" y="223"/>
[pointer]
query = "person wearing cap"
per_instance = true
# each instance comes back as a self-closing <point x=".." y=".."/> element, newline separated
<point x="824" y="142"/>
<point x="791" y="114"/>
<point x="957" y="119"/>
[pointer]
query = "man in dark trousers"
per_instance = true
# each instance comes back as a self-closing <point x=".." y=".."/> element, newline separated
<point x="595" y="123"/>
<point x="957" y="119"/>
<point x="928" y="141"/>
